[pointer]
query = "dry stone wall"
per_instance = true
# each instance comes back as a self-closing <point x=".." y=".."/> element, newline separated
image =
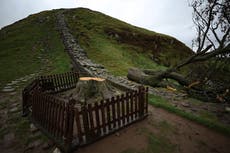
<point x="82" y="63"/>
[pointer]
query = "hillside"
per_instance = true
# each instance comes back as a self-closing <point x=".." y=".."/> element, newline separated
<point x="112" y="42"/>
<point x="38" y="45"/>
<point x="34" y="43"/>
<point x="31" y="46"/>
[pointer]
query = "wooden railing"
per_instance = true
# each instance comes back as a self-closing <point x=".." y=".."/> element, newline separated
<point x="102" y="118"/>
<point x="49" y="84"/>
<point x="72" y="125"/>
<point x="54" y="117"/>
<point x="58" y="82"/>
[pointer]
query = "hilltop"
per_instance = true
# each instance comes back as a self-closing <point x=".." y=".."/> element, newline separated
<point x="33" y="45"/>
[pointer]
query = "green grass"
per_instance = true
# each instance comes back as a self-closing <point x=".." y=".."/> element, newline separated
<point x="210" y="123"/>
<point x="24" y="44"/>
<point x="118" y="45"/>
<point x="118" y="58"/>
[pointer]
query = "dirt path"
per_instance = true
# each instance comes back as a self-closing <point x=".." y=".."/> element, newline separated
<point x="162" y="132"/>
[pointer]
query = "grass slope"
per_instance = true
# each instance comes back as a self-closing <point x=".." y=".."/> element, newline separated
<point x="118" y="45"/>
<point x="30" y="45"/>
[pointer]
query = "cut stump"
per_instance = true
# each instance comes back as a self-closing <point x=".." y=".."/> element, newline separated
<point x="92" y="89"/>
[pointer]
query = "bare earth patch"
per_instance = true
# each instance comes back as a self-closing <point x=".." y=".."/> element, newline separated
<point x="183" y="135"/>
<point x="160" y="132"/>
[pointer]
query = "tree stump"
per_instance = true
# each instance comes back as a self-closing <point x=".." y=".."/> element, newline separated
<point x="92" y="89"/>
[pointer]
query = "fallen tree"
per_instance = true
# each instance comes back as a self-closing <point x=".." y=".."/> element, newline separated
<point x="212" y="20"/>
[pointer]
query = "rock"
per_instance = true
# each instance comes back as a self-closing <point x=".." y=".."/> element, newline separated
<point x="227" y="109"/>
<point x="56" y="150"/>
<point x="14" y="109"/>
<point x="14" y="105"/>
<point x="33" y="128"/>
<point x="117" y="134"/>
<point x="15" y="82"/>
<point x="47" y="145"/>
<point x="8" y="139"/>
<point x="194" y="109"/>
<point x="8" y="89"/>
<point x="34" y="144"/>
<point x="13" y="93"/>
<point x="185" y="104"/>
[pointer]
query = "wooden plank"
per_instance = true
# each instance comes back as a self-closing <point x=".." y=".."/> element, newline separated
<point x="43" y="111"/>
<point x="53" y="116"/>
<point x="78" y="123"/>
<point x="108" y="113"/>
<point x="140" y="99"/>
<point x="146" y="100"/>
<point x="66" y="80"/>
<point x="103" y="116"/>
<point x="136" y="103"/>
<point x="98" y="129"/>
<point x="39" y="110"/>
<point x="62" y="118"/>
<point x="68" y="76"/>
<point x="131" y="105"/>
<point x="70" y="122"/>
<point x="113" y="122"/>
<point x="85" y="122"/>
<point x="48" y="112"/>
<point x="55" y="83"/>
<point x="91" y="123"/>
<point x="127" y="96"/>
<point x="71" y="78"/>
<point x="123" y="108"/>
<point x="59" y="118"/>
<point x="118" y="110"/>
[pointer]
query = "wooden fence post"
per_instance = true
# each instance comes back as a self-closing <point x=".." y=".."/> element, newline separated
<point x="69" y="124"/>
<point x="85" y="122"/>
<point x="24" y="103"/>
<point x="141" y="100"/>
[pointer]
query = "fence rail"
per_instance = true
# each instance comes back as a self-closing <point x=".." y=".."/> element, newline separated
<point x="102" y="118"/>
<point x="71" y="125"/>
<point x="58" y="82"/>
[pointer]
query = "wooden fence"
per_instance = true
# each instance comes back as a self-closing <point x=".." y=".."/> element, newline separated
<point x="58" y="82"/>
<point x="49" y="84"/>
<point x="70" y="125"/>
<point x="99" y="119"/>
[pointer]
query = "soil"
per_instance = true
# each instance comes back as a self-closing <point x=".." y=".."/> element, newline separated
<point x="170" y="131"/>
<point x="187" y="136"/>
<point x="208" y="109"/>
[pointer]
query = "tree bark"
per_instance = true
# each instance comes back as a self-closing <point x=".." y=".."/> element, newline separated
<point x="155" y="78"/>
<point x="90" y="89"/>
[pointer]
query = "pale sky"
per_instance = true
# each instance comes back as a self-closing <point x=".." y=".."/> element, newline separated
<point x="171" y="17"/>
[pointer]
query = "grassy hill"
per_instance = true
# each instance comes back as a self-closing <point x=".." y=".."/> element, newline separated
<point x="33" y="45"/>
<point x="118" y="45"/>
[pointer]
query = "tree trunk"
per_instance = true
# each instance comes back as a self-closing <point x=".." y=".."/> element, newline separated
<point x="155" y="78"/>
<point x="90" y="89"/>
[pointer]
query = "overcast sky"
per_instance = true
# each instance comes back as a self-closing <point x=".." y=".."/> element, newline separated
<point x="171" y="17"/>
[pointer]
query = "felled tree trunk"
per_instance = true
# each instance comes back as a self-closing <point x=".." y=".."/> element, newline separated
<point x="155" y="78"/>
<point x="91" y="89"/>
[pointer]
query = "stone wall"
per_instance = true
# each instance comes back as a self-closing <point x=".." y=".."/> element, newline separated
<point x="82" y="63"/>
